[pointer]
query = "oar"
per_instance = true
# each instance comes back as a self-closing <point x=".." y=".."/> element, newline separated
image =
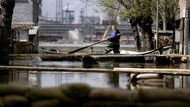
<point x="106" y="32"/>
<point x="76" y="50"/>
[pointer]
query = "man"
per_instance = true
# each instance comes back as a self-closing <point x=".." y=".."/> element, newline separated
<point x="113" y="40"/>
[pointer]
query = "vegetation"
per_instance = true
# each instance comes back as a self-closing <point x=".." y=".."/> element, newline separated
<point x="167" y="12"/>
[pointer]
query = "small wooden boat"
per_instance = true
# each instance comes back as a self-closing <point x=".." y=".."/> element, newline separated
<point x="160" y="50"/>
<point x="156" y="56"/>
<point x="50" y="51"/>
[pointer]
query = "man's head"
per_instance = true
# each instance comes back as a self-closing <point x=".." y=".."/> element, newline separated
<point x="113" y="27"/>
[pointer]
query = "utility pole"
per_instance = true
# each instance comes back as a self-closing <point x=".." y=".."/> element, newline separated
<point x="59" y="10"/>
<point x="86" y="8"/>
<point x="186" y="35"/>
<point x="156" y="37"/>
<point x="182" y="7"/>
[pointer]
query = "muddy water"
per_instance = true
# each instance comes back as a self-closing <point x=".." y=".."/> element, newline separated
<point x="105" y="80"/>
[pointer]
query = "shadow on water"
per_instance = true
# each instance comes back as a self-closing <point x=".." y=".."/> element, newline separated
<point x="109" y="80"/>
<point x="89" y="62"/>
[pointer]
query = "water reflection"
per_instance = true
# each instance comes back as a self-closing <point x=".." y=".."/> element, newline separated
<point x="106" y="80"/>
<point x="93" y="79"/>
<point x="114" y="79"/>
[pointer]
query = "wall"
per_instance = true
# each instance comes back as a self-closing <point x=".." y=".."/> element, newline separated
<point x="23" y="12"/>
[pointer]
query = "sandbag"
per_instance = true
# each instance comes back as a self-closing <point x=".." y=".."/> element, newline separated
<point x="114" y="95"/>
<point x="78" y="92"/>
<point x="15" y="101"/>
<point x="1" y="102"/>
<point x="46" y="93"/>
<point x="46" y="103"/>
<point x="160" y="94"/>
<point x="12" y="89"/>
<point x="170" y="103"/>
<point x="107" y="104"/>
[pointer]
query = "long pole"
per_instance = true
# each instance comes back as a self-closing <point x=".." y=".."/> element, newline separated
<point x="76" y="50"/>
<point x="156" y="37"/>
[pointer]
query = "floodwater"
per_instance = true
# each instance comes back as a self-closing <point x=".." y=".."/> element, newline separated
<point x="103" y="80"/>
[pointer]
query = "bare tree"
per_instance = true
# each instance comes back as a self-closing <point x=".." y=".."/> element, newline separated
<point x="167" y="12"/>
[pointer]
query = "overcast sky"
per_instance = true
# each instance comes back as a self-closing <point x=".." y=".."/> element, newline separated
<point x="48" y="8"/>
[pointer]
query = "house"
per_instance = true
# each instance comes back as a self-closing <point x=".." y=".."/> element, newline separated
<point x="25" y="27"/>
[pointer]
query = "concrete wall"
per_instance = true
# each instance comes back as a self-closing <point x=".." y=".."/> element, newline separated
<point x="23" y="12"/>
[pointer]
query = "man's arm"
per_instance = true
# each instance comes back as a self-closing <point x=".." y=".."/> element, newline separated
<point x="112" y="36"/>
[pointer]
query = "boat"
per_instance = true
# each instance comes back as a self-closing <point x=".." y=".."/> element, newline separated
<point x="49" y="51"/>
<point x="161" y="50"/>
<point x="160" y="55"/>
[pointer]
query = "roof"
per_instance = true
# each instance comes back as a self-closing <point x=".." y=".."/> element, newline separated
<point x="22" y="26"/>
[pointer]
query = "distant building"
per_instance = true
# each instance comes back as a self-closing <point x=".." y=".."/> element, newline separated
<point x="68" y="16"/>
<point x="94" y="20"/>
<point x="91" y="29"/>
<point x="25" y="26"/>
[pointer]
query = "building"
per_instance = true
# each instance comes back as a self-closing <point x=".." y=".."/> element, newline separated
<point x="68" y="16"/>
<point x="24" y="25"/>
<point x="52" y="32"/>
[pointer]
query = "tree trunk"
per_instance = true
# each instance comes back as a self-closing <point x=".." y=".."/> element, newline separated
<point x="136" y="34"/>
<point x="148" y="42"/>
<point x="146" y="25"/>
<point x="6" y="11"/>
<point x="181" y="29"/>
<point x="164" y="21"/>
<point x="164" y="24"/>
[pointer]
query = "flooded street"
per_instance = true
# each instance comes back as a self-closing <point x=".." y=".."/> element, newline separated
<point x="104" y="80"/>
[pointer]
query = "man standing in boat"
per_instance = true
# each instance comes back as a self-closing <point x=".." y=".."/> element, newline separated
<point x="113" y="40"/>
